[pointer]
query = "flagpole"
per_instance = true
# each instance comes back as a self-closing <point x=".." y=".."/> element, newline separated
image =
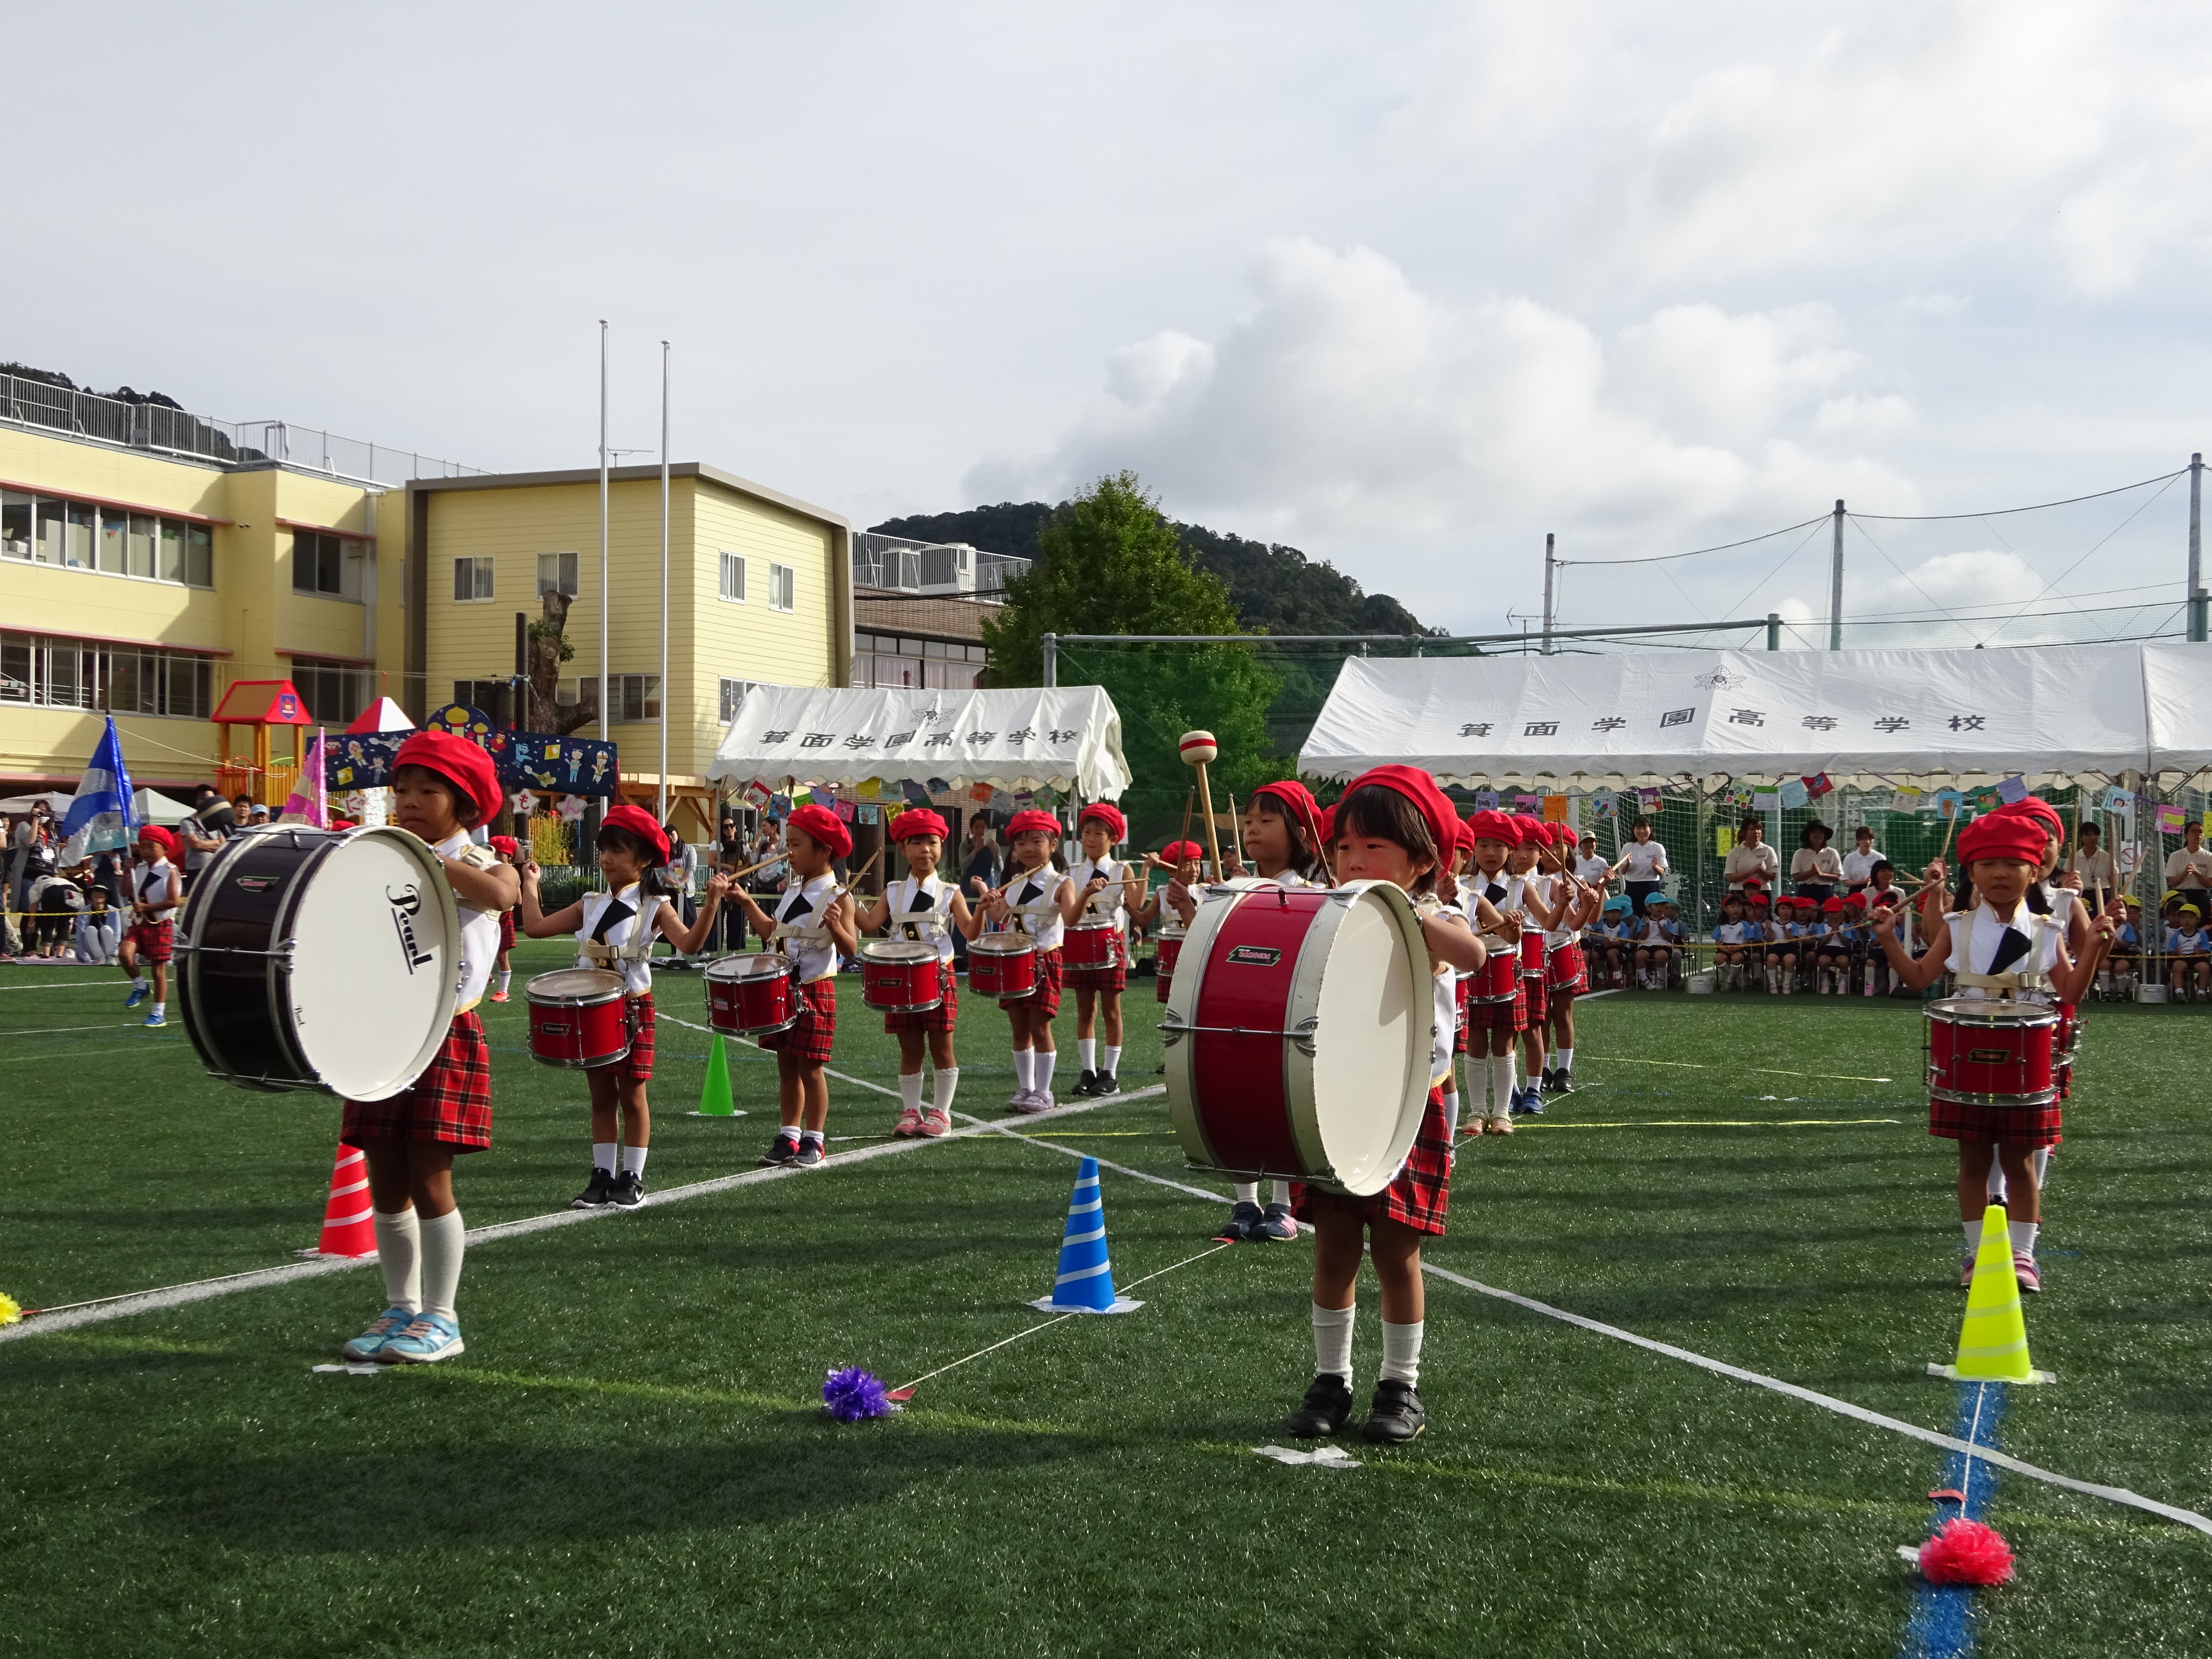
<point x="604" y="598"/>
<point x="661" y="813"/>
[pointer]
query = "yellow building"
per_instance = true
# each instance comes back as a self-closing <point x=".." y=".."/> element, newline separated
<point x="759" y="591"/>
<point x="150" y="559"/>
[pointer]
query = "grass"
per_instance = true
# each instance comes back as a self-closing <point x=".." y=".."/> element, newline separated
<point x="628" y="1459"/>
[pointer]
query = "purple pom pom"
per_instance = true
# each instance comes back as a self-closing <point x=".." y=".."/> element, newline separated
<point x="855" y="1396"/>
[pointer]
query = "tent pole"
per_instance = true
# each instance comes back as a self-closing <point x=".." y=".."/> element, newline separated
<point x="1836" y="585"/>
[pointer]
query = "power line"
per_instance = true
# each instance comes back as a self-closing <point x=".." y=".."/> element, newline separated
<point x="1999" y="512"/>
<point x="1661" y="558"/>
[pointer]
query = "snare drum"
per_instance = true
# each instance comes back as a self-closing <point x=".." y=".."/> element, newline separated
<point x="1566" y="970"/>
<point x="320" y="959"/>
<point x="900" y="976"/>
<point x="1002" y="965"/>
<point x="1532" y="953"/>
<point x="579" y="1017"/>
<point x="1166" y="948"/>
<point x="752" y="994"/>
<point x="1495" y="981"/>
<point x="1091" y="946"/>
<point x="1981" y="1052"/>
<point x="1299" y="1034"/>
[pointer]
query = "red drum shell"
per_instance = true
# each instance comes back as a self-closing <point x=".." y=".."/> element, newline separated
<point x="1494" y="981"/>
<point x="1091" y="945"/>
<point x="1979" y="1057"/>
<point x="752" y="994"/>
<point x="1564" y="968"/>
<point x="1002" y="970"/>
<point x="1532" y="953"/>
<point x="579" y="1017"/>
<point x="898" y="979"/>
<point x="1167" y="949"/>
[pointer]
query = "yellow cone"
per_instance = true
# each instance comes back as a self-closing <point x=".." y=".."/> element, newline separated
<point x="1993" y="1339"/>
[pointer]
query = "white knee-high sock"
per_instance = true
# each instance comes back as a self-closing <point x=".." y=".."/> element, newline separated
<point x="1022" y="1070"/>
<point x="603" y="1155"/>
<point x="2042" y="1156"/>
<point x="1566" y="1058"/>
<point x="1332" y="1332"/>
<point x="1401" y="1352"/>
<point x="1281" y="1193"/>
<point x="1086" y="1049"/>
<point x="1110" y="1053"/>
<point x="1247" y="1192"/>
<point x="1046" y="1058"/>
<point x="948" y="1080"/>
<point x="1501" y="1083"/>
<point x="399" y="1258"/>
<point x="1451" y="1108"/>
<point x="633" y="1160"/>
<point x="443" y="1242"/>
<point x="2023" y="1236"/>
<point x="910" y="1091"/>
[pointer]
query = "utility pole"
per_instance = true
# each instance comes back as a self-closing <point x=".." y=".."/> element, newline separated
<point x="1051" y="642"/>
<point x="604" y="596"/>
<point x="1774" y="630"/>
<point x="1836" y="585"/>
<point x="2197" y="605"/>
<point x="1550" y="590"/>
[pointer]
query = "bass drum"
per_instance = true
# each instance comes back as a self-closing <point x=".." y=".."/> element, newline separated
<point x="1298" y="1033"/>
<point x="320" y="959"/>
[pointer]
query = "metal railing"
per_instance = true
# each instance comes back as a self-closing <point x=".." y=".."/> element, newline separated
<point x="906" y="565"/>
<point x="165" y="429"/>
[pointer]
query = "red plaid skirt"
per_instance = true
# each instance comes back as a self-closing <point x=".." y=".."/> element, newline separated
<point x="1115" y="978"/>
<point x="1046" y="997"/>
<point x="816" y="1030"/>
<point x="153" y="940"/>
<point x="942" y="1018"/>
<point x="2010" y="1125"/>
<point x="507" y="930"/>
<point x="636" y="1065"/>
<point x="450" y="1104"/>
<point x="1500" y="1016"/>
<point x="1419" y="1196"/>
<point x="1533" y="998"/>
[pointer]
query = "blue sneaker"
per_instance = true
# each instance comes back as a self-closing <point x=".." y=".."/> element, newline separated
<point x="387" y="1324"/>
<point x="1532" y="1103"/>
<point x="427" y="1339"/>
<point x="138" y="994"/>
<point x="156" y="1021"/>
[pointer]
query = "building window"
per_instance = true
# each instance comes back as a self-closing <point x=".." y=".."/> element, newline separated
<point x="121" y="679"/>
<point x="782" y="587"/>
<point x="326" y="564"/>
<point x="733" y="694"/>
<point x="471" y="579"/>
<point x="633" y="697"/>
<point x="83" y="535"/>
<point x="336" y="692"/>
<point x="733" y="577"/>
<point x="489" y="697"/>
<point x="556" y="571"/>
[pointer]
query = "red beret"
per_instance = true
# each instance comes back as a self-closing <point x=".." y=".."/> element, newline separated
<point x="1419" y="787"/>
<point x="1831" y="904"/>
<point x="1491" y="824"/>
<point x="1183" y="852"/>
<point x="1328" y="825"/>
<point x="460" y="763"/>
<point x="819" y="824"/>
<point x="640" y="823"/>
<point x="1031" y="822"/>
<point x="161" y="837"/>
<point x="2003" y="835"/>
<point x="1105" y="813"/>
<point x="505" y="845"/>
<point x="1297" y="805"/>
<point x="2035" y="807"/>
<point x="918" y="821"/>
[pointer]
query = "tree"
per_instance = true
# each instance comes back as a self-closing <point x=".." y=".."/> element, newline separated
<point x="1109" y="563"/>
<point x="548" y="649"/>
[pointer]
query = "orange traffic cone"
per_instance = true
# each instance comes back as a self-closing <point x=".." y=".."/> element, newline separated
<point x="347" y="1229"/>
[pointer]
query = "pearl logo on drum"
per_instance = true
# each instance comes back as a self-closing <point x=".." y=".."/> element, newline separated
<point x="405" y="904"/>
<point x="1255" y="955"/>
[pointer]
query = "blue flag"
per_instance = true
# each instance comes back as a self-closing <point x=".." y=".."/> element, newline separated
<point x="104" y="804"/>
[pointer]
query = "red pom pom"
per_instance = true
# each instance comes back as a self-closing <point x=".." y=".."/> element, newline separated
<point x="1966" y="1552"/>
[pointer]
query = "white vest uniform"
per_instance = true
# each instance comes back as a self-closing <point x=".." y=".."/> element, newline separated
<point x="623" y="945"/>
<point x="1035" y="910"/>
<point x="479" y="928"/>
<point x="150" y="882"/>
<point x="1444" y="992"/>
<point x="802" y="931"/>
<point x="1476" y="885"/>
<point x="922" y="910"/>
<point x="1975" y="936"/>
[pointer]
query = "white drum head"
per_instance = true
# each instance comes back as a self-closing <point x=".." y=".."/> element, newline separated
<point x="574" y="985"/>
<point x="376" y="964"/>
<point x="897" y="949"/>
<point x="1003" y="945"/>
<point x="1369" y="1068"/>
<point x="754" y="964"/>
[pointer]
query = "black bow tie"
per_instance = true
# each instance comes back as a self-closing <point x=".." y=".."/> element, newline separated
<point x="2012" y="946"/>
<point x="616" y="912"/>
<point x="1493" y="893"/>
<point x="1030" y="894"/>
<point x="797" y="905"/>
<point x="922" y="901"/>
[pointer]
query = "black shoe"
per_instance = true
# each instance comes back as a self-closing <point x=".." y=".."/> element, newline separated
<point x="780" y="1150"/>
<point x="1087" y="1084"/>
<point x="1277" y="1226"/>
<point x="1108" y="1085"/>
<point x="629" y="1191"/>
<point x="1328" y="1404"/>
<point x="810" y="1155"/>
<point x="1243" y="1217"/>
<point x="1563" y="1083"/>
<point x="597" y="1194"/>
<point x="1544" y="1084"/>
<point x="1395" y="1412"/>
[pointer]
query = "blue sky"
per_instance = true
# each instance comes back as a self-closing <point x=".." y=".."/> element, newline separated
<point x="1407" y="284"/>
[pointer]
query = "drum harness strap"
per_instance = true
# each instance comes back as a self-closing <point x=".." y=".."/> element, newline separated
<point x="1104" y="905"/>
<point x="923" y="920"/>
<point x="785" y="932"/>
<point x="596" y="949"/>
<point x="2009" y="986"/>
<point x="1043" y="907"/>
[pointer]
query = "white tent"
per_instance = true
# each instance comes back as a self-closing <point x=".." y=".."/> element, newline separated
<point x="2048" y="713"/>
<point x="153" y="807"/>
<point x="1067" y="739"/>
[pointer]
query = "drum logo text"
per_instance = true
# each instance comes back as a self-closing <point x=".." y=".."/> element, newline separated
<point x="1991" y="1056"/>
<point x="256" y="883"/>
<point x="404" y="903"/>
<point x="1255" y="956"/>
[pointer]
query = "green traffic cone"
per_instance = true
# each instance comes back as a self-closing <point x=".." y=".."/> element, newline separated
<point x="714" y="1096"/>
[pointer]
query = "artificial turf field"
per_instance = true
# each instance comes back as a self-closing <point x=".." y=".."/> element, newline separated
<point x="630" y="1458"/>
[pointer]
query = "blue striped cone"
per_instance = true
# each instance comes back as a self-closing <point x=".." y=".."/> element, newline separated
<point x="1084" y="1282"/>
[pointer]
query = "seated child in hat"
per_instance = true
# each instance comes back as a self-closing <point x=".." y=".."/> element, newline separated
<point x="1832" y="948"/>
<point x="2126" y="953"/>
<point x="1733" y="938"/>
<point x="2189" y="953"/>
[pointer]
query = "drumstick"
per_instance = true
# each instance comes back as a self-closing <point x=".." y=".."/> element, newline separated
<point x="1197" y="749"/>
<point x="1190" y="798"/>
<point x="1235" y="839"/>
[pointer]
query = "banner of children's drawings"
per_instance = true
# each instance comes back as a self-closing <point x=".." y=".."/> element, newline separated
<point x="531" y="760"/>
